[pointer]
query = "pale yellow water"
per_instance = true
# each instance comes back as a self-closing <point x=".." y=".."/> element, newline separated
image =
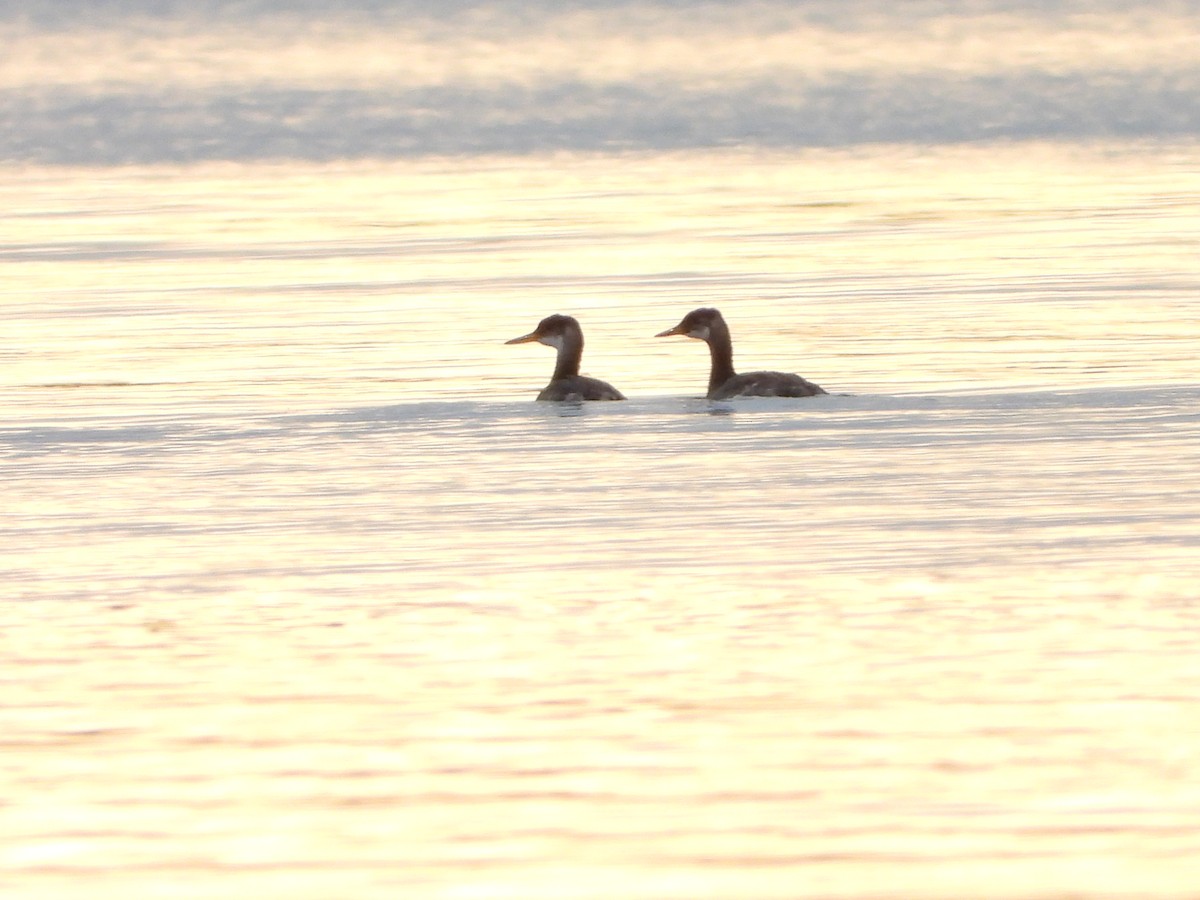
<point x="306" y="597"/>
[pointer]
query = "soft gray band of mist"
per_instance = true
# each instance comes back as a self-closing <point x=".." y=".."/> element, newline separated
<point x="75" y="13"/>
<point x="59" y="126"/>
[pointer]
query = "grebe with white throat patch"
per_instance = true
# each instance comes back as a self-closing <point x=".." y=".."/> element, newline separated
<point x="564" y="335"/>
<point x="708" y="325"/>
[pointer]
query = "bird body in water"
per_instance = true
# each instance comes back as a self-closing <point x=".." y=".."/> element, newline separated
<point x="564" y="335"/>
<point x="723" y="382"/>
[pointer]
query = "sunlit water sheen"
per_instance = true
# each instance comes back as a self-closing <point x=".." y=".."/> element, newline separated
<point x="308" y="598"/>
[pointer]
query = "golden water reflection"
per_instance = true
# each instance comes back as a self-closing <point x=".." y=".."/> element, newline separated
<point x="950" y="268"/>
<point x="306" y="595"/>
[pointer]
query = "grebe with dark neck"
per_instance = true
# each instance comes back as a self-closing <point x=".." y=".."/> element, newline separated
<point x="564" y="335"/>
<point x="723" y="382"/>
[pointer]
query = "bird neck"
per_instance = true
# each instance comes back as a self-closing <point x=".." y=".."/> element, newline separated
<point x="570" y="352"/>
<point x="720" y="346"/>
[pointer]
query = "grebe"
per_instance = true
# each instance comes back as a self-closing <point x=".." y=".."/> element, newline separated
<point x="564" y="335"/>
<point x="723" y="382"/>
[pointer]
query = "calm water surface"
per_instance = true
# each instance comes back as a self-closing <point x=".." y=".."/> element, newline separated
<point x="307" y="597"/>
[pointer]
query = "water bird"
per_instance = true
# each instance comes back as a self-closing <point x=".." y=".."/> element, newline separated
<point x="708" y="325"/>
<point x="564" y="335"/>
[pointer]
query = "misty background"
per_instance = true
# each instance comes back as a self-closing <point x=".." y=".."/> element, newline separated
<point x="157" y="82"/>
